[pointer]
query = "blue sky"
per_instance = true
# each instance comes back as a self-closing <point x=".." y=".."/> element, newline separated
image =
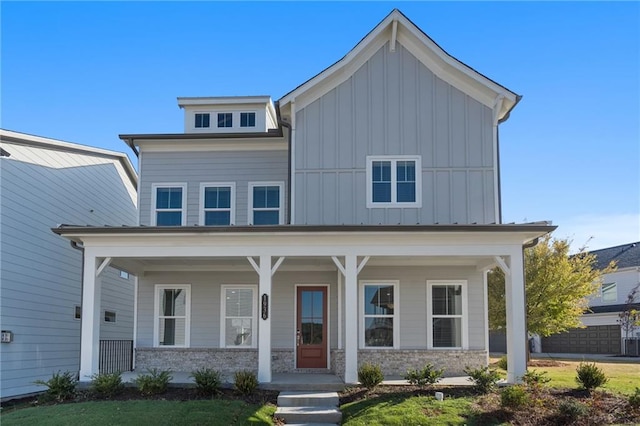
<point x="85" y="72"/>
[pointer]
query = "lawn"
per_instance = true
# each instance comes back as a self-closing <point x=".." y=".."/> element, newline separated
<point x="155" y="412"/>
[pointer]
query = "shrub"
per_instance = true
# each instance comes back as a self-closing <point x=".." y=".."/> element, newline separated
<point x="534" y="379"/>
<point x="107" y="384"/>
<point x="484" y="378"/>
<point x="634" y="400"/>
<point x="208" y="381"/>
<point x="370" y="375"/>
<point x="571" y="410"/>
<point x="245" y="382"/>
<point x="61" y="386"/>
<point x="514" y="397"/>
<point x="502" y="362"/>
<point x="427" y="376"/>
<point x="589" y="376"/>
<point x="153" y="383"/>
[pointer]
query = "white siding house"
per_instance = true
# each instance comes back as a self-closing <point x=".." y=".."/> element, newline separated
<point x="44" y="183"/>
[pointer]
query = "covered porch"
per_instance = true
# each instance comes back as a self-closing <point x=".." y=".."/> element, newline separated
<point x="349" y="266"/>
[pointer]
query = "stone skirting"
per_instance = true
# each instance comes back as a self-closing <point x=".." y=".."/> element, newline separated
<point x="282" y="361"/>
<point x="227" y="361"/>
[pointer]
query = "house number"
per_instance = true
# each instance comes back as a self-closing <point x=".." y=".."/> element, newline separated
<point x="265" y="306"/>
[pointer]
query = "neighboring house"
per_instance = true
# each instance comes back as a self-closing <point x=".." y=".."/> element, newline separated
<point x="352" y="221"/>
<point x="44" y="183"/>
<point x="603" y="333"/>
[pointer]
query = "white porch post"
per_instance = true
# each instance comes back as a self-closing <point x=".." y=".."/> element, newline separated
<point x="351" y="319"/>
<point x="516" y="319"/>
<point x="264" y="330"/>
<point x="90" y="330"/>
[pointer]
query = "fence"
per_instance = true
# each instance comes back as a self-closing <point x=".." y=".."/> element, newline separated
<point x="115" y="355"/>
<point x="632" y="346"/>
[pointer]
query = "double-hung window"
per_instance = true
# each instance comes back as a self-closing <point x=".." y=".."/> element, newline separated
<point x="239" y="312"/>
<point x="378" y="315"/>
<point x="247" y="119"/>
<point x="217" y="203"/>
<point x="168" y="204"/>
<point x="447" y="314"/>
<point x="394" y="181"/>
<point x="266" y="202"/>
<point x="172" y="314"/>
<point x="202" y="120"/>
<point x="225" y="119"/>
<point x="609" y="292"/>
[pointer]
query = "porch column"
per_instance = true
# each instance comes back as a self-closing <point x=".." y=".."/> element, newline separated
<point x="516" y="319"/>
<point x="90" y="322"/>
<point x="351" y="319"/>
<point x="264" y="330"/>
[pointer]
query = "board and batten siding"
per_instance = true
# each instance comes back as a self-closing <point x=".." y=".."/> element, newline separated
<point x="41" y="273"/>
<point x="394" y="105"/>
<point x="194" y="168"/>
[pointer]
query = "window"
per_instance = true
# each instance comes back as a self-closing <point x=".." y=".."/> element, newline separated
<point x="225" y="119"/>
<point x="202" y="120"/>
<point x="394" y="181"/>
<point x="172" y="311"/>
<point x="265" y="203"/>
<point x="109" y="316"/>
<point x="124" y="275"/>
<point x="609" y="292"/>
<point x="217" y="204"/>
<point x="247" y="119"/>
<point x="239" y="312"/>
<point x="169" y="205"/>
<point x="446" y="313"/>
<point x="77" y="314"/>
<point x="379" y="324"/>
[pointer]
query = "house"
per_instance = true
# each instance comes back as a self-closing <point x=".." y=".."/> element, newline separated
<point x="351" y="221"/>
<point x="46" y="182"/>
<point x="602" y="332"/>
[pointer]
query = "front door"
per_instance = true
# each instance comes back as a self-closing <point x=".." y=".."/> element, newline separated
<point x="311" y="327"/>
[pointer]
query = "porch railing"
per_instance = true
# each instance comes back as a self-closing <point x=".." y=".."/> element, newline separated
<point x="115" y="355"/>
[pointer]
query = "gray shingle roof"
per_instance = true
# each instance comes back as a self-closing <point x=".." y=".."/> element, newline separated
<point x="626" y="255"/>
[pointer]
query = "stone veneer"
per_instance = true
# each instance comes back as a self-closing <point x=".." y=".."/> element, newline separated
<point x="227" y="361"/>
<point x="282" y="361"/>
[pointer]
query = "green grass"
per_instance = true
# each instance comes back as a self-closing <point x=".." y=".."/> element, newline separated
<point x="104" y="413"/>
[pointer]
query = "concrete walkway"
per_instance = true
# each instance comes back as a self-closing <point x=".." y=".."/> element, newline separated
<point x="587" y="357"/>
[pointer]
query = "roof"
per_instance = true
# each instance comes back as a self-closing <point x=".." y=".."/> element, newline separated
<point x="625" y="256"/>
<point x="606" y="309"/>
<point x="444" y="63"/>
<point x="54" y="144"/>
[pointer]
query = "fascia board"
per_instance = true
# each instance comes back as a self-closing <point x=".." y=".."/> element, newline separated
<point x="214" y="145"/>
<point x="223" y="100"/>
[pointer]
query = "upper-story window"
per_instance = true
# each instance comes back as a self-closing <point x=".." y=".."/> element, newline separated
<point x="266" y="201"/>
<point x="394" y="181"/>
<point x="247" y="119"/>
<point x="225" y="119"/>
<point x="202" y="120"/>
<point x="217" y="201"/>
<point x="609" y="292"/>
<point x="168" y="205"/>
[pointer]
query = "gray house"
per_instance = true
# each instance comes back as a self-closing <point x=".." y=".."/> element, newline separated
<point x="352" y="221"/>
<point x="45" y="182"/>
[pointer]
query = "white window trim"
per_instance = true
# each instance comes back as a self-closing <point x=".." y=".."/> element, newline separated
<point x="195" y="113"/>
<point x="154" y="195"/>
<point x="255" y="117"/>
<point x="396" y="313"/>
<point x="223" y="314"/>
<point x="250" y="208"/>
<point x="233" y="119"/>
<point x="394" y="161"/>
<point x="464" y="317"/>
<point x="104" y="314"/>
<point x="232" y="209"/>
<point x="156" y="314"/>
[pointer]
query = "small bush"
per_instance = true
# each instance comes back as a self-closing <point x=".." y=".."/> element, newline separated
<point x="571" y="410"/>
<point x="534" y="379"/>
<point x="634" y="400"/>
<point x="589" y="376"/>
<point x="245" y="382"/>
<point x="208" y="381"/>
<point x="370" y="375"/>
<point x="425" y="377"/>
<point x="108" y="384"/>
<point x="484" y="378"/>
<point x="153" y="383"/>
<point x="502" y="362"/>
<point x="514" y="397"/>
<point x="61" y="386"/>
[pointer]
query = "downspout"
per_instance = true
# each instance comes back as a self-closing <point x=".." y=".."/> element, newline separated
<point x="290" y="187"/>
<point x="75" y="245"/>
<point x="289" y="171"/>
<point x="530" y="244"/>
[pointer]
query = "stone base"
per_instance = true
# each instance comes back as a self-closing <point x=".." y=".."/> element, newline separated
<point x="226" y="361"/>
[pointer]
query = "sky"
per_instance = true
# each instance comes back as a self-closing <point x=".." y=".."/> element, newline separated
<point x="86" y="72"/>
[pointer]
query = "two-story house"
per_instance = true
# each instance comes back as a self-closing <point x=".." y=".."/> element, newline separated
<point x="352" y="221"/>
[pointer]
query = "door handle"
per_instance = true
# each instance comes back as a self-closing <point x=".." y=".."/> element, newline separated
<point x="298" y="338"/>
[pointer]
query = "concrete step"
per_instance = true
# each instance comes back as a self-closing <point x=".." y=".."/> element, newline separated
<point x="308" y="399"/>
<point x="309" y="415"/>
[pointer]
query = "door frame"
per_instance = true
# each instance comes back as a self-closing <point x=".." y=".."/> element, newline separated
<point x="295" y="322"/>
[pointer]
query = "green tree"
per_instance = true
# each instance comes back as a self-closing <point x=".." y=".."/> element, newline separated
<point x="557" y="287"/>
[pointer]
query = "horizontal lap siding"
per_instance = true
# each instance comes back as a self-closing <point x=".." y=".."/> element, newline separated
<point x="194" y="168"/>
<point x="393" y="105"/>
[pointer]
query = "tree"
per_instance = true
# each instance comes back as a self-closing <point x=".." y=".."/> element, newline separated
<point x="557" y="287"/>
<point x="629" y="317"/>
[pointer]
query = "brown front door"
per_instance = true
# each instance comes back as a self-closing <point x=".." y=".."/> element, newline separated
<point x="311" y="327"/>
